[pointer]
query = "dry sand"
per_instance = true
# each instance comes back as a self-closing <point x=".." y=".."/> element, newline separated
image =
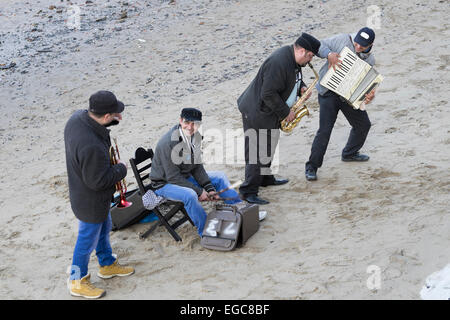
<point x="321" y="240"/>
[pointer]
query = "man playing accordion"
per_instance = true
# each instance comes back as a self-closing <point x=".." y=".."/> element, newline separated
<point x="330" y="103"/>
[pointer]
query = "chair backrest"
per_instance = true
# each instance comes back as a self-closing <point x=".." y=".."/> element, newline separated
<point x="141" y="164"/>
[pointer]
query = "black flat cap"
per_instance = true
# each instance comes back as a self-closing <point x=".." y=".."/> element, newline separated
<point x="308" y="42"/>
<point x="191" y="114"/>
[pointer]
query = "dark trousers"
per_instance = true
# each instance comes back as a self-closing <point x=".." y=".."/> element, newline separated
<point x="260" y="145"/>
<point x="330" y="104"/>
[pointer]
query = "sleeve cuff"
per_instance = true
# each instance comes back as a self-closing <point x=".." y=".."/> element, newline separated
<point x="209" y="187"/>
<point x="121" y="169"/>
<point x="198" y="190"/>
<point x="284" y="114"/>
<point x="323" y="53"/>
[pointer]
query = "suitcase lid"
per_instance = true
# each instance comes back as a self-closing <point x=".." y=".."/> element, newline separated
<point x="222" y="228"/>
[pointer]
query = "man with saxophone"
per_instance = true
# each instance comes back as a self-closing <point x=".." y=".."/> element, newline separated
<point x="264" y="104"/>
<point x="330" y="103"/>
<point x="92" y="182"/>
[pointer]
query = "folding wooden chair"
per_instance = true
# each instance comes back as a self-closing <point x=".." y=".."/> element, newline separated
<point x="141" y="164"/>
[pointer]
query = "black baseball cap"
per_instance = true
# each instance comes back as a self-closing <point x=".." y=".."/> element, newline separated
<point x="365" y="37"/>
<point x="103" y="102"/>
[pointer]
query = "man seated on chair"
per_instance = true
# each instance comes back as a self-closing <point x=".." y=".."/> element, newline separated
<point x="177" y="172"/>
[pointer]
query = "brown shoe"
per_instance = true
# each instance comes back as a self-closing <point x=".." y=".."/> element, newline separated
<point x="113" y="270"/>
<point x="84" y="288"/>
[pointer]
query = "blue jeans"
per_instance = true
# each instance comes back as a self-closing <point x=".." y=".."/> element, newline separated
<point x="91" y="236"/>
<point x="190" y="198"/>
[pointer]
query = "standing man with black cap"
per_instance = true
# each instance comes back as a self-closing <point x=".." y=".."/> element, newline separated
<point x="330" y="103"/>
<point x="92" y="181"/>
<point x="264" y="104"/>
<point x="177" y="171"/>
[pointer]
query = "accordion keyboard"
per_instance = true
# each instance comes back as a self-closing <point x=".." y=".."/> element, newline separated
<point x="350" y="71"/>
<point x="342" y="71"/>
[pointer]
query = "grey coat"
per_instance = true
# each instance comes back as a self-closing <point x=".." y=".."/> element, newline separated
<point x="174" y="162"/>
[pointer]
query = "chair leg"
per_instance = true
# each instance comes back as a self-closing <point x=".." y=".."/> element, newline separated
<point x="166" y="224"/>
<point x="171" y="212"/>
<point x="179" y="222"/>
<point x="149" y="231"/>
<point x="174" y="234"/>
<point x="180" y="208"/>
<point x="164" y="221"/>
<point x="186" y="215"/>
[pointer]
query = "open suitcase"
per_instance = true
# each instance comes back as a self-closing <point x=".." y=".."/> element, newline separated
<point x="228" y="226"/>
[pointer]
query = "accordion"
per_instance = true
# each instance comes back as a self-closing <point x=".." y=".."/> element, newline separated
<point x="353" y="79"/>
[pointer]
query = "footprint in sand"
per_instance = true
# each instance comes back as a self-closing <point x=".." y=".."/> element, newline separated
<point x="383" y="173"/>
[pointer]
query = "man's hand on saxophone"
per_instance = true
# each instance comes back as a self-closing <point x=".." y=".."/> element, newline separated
<point x="291" y="116"/>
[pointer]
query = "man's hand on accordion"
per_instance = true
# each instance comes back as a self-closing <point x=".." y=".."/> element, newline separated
<point x="333" y="60"/>
<point x="369" y="97"/>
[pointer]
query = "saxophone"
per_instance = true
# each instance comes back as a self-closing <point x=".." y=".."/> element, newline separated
<point x="299" y="108"/>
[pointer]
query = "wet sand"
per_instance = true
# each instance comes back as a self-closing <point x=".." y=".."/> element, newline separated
<point x="387" y="219"/>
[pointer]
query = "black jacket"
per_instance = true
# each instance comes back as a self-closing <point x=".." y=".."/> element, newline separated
<point x="263" y="103"/>
<point x="91" y="176"/>
<point x="174" y="162"/>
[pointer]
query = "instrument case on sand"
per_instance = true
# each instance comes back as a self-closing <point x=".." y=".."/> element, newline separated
<point x="127" y="216"/>
<point x="229" y="226"/>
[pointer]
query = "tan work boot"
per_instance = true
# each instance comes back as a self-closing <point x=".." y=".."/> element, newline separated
<point x="84" y="288"/>
<point x="113" y="270"/>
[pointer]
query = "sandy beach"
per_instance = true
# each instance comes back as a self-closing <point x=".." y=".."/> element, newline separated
<point x="371" y="230"/>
